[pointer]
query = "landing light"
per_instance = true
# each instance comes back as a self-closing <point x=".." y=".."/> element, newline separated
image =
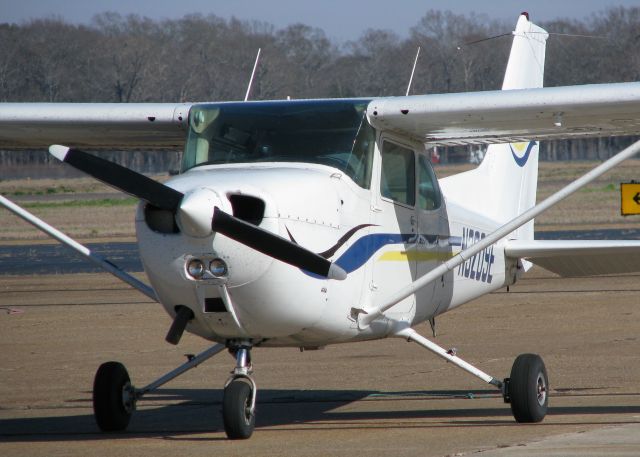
<point x="218" y="268"/>
<point x="196" y="268"/>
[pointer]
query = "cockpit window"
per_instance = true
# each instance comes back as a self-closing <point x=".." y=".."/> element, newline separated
<point x="398" y="178"/>
<point x="429" y="197"/>
<point x="328" y="132"/>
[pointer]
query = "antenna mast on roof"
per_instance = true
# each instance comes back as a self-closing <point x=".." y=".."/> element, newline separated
<point x="415" y="62"/>
<point x="253" y="73"/>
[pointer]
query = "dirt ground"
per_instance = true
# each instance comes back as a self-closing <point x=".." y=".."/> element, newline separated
<point x="387" y="397"/>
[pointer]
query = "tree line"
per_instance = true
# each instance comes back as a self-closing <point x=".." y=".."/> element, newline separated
<point x="119" y="58"/>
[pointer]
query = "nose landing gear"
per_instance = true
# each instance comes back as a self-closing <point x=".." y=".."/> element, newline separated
<point x="239" y="402"/>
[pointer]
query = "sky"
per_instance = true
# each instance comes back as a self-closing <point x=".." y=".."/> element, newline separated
<point x="342" y="20"/>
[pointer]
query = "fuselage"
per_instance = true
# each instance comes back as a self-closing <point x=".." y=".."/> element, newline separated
<point x="382" y="218"/>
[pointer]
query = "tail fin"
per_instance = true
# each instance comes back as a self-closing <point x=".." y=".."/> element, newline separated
<point x="525" y="69"/>
<point x="508" y="174"/>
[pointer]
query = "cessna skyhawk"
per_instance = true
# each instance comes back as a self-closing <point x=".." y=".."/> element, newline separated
<point x="304" y="223"/>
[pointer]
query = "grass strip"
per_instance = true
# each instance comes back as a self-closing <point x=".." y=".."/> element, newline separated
<point x="101" y="203"/>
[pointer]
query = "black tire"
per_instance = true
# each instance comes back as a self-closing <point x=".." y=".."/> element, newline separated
<point x="529" y="389"/>
<point x="239" y="422"/>
<point x="110" y="408"/>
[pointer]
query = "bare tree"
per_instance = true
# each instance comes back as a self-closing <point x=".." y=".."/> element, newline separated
<point x="208" y="58"/>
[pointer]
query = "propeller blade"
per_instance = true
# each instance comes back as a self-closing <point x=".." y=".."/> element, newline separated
<point x="274" y="246"/>
<point x="121" y="178"/>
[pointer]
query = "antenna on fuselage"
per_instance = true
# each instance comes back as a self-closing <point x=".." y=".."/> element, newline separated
<point x="413" y="70"/>
<point x="253" y="73"/>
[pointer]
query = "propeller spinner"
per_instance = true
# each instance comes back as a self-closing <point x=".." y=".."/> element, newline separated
<point x="189" y="212"/>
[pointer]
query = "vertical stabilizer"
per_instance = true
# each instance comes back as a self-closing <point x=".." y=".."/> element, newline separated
<point x="508" y="174"/>
<point x="525" y="69"/>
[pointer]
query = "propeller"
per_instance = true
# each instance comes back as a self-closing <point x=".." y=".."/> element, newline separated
<point x="128" y="181"/>
<point x="164" y="197"/>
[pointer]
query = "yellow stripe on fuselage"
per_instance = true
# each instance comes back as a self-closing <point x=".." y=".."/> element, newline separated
<point x="414" y="256"/>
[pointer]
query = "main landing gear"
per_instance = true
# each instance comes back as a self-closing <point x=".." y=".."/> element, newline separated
<point x="114" y="397"/>
<point x="527" y="390"/>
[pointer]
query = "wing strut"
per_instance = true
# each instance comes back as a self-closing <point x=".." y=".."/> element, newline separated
<point x="369" y="315"/>
<point x="79" y="248"/>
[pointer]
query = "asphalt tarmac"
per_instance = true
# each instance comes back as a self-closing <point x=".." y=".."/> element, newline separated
<point x="54" y="258"/>
<point x="386" y="397"/>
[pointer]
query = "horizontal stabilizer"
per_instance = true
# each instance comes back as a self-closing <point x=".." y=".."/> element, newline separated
<point x="572" y="258"/>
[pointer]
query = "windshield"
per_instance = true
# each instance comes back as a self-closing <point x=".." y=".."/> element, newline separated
<point x="327" y="132"/>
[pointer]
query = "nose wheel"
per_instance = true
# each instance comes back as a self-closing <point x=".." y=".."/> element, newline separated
<point x="239" y="401"/>
<point x="238" y="414"/>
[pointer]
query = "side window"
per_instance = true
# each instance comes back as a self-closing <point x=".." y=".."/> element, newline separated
<point x="428" y="191"/>
<point x="398" y="174"/>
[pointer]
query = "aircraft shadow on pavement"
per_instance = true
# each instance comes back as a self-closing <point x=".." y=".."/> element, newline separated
<point x="178" y="413"/>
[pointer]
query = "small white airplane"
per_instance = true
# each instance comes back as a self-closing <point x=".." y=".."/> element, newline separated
<point x="314" y="222"/>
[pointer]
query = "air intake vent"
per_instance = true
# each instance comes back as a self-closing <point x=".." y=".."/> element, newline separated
<point x="160" y="220"/>
<point x="214" y="305"/>
<point x="249" y="209"/>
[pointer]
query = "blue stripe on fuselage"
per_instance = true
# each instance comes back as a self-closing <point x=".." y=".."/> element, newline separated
<point x="363" y="249"/>
<point x="366" y="246"/>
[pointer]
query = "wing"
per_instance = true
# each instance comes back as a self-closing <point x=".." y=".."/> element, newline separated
<point x="439" y="119"/>
<point x="512" y="115"/>
<point x="24" y="125"/>
<point x="578" y="258"/>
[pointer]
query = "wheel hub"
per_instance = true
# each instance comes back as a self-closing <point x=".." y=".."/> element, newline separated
<point x="541" y="390"/>
<point x="129" y="398"/>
